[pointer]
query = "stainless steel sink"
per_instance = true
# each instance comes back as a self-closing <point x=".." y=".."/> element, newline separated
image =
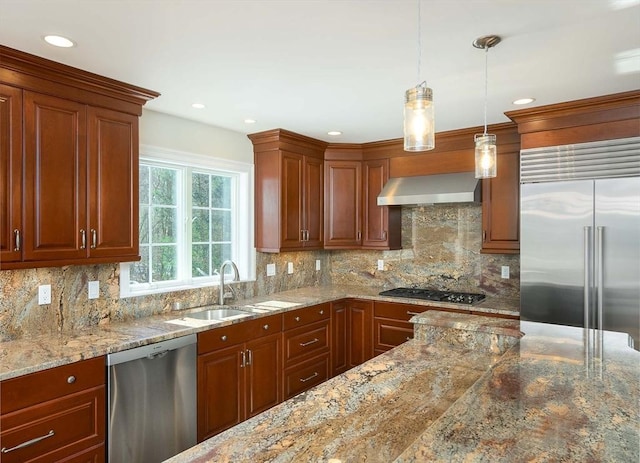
<point x="218" y="314"/>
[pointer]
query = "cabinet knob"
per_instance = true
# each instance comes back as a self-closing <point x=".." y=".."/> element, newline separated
<point x="322" y="312"/>
<point x="223" y="337"/>
<point x="297" y="319"/>
<point x="266" y="327"/>
<point x="71" y="379"/>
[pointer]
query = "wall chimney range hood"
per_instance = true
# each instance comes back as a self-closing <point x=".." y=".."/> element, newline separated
<point x="460" y="187"/>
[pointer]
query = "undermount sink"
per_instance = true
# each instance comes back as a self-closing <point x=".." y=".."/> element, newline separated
<point x="218" y="314"/>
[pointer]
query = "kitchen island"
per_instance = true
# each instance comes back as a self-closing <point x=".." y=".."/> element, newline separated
<point x="457" y="401"/>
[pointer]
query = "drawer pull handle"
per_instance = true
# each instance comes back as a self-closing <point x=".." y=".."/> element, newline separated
<point x="266" y="327"/>
<point x="412" y="313"/>
<point x="28" y="443"/>
<point x="304" y="380"/>
<point x="71" y="379"/>
<point x="305" y="344"/>
<point x="297" y="319"/>
<point x="223" y="337"/>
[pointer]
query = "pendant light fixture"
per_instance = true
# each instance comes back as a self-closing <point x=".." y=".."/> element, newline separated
<point x="419" y="129"/>
<point x="486" y="158"/>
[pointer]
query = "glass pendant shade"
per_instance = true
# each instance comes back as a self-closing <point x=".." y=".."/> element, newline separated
<point x="486" y="159"/>
<point x="419" y="128"/>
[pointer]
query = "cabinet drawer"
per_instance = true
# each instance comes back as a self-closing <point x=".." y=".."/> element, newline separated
<point x="305" y="375"/>
<point x="307" y="315"/>
<point x="237" y="333"/>
<point x="306" y="341"/>
<point x="93" y="455"/>
<point x="391" y="333"/>
<point x="66" y="427"/>
<point x="397" y="311"/>
<point x="34" y="388"/>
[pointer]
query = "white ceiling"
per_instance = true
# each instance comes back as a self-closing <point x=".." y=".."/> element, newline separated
<point x="311" y="66"/>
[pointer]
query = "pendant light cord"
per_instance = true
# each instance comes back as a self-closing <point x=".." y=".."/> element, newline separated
<point x="419" y="40"/>
<point x="486" y="85"/>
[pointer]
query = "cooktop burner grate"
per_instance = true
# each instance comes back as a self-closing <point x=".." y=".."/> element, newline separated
<point x="434" y="295"/>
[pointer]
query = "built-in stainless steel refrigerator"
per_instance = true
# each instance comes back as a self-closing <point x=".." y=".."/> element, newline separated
<point x="580" y="236"/>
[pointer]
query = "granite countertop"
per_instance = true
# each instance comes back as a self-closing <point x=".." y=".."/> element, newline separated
<point x="28" y="355"/>
<point x="536" y="401"/>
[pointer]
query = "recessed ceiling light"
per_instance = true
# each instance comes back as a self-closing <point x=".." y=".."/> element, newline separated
<point x="59" y="41"/>
<point x="198" y="106"/>
<point x="334" y="133"/>
<point x="524" y="101"/>
<point x="249" y="121"/>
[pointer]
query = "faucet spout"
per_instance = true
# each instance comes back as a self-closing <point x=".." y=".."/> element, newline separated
<point x="236" y="277"/>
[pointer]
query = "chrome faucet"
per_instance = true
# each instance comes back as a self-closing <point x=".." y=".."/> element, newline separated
<point x="236" y="277"/>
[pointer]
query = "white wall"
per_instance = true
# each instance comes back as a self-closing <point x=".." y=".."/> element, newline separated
<point x="176" y="133"/>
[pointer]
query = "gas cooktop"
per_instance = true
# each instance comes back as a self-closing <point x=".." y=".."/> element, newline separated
<point x="434" y="295"/>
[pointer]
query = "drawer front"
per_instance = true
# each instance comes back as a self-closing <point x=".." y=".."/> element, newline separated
<point x="58" y="428"/>
<point x="301" y="317"/>
<point x="305" y="375"/>
<point x="34" y="388"/>
<point x="390" y="333"/>
<point x="397" y="311"/>
<point x="238" y="333"/>
<point x="93" y="455"/>
<point x="306" y="341"/>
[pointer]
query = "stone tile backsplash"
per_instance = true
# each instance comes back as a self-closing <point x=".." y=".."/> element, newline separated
<point x="441" y="249"/>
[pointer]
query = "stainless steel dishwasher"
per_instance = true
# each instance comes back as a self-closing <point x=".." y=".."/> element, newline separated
<point x="152" y="401"/>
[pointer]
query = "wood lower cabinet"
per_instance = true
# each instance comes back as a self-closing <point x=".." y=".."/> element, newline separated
<point x="352" y="334"/>
<point x="60" y="413"/>
<point x="239" y="373"/>
<point x="391" y="325"/>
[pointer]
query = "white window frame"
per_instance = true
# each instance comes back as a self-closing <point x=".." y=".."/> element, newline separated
<point x="242" y="176"/>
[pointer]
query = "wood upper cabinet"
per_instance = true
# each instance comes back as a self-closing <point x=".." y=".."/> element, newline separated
<point x="11" y="228"/>
<point x="382" y="224"/>
<point x="288" y="191"/>
<point x="343" y="204"/>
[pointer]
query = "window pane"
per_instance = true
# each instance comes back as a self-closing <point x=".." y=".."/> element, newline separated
<point x="139" y="271"/>
<point x="200" y="226"/>
<point x="163" y="225"/>
<point x="164" y="263"/>
<point x="200" y="260"/>
<point x="144" y="225"/>
<point x="144" y="184"/>
<point x="220" y="253"/>
<point x="200" y="190"/>
<point x="221" y="192"/>
<point x="221" y="226"/>
<point x="164" y="186"/>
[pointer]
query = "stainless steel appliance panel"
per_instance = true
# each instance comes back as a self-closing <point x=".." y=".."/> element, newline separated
<point x="617" y="254"/>
<point x="152" y="401"/>
<point x="552" y="276"/>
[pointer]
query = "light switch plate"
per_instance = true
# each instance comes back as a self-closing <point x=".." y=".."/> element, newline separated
<point x="44" y="294"/>
<point x="380" y="264"/>
<point x="289" y="268"/>
<point x="271" y="270"/>
<point x="504" y="272"/>
<point x="94" y="290"/>
<point x="317" y="264"/>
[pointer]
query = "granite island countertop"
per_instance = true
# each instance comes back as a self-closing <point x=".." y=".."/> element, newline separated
<point x="32" y="354"/>
<point x="456" y="402"/>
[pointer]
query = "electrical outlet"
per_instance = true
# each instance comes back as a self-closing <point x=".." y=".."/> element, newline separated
<point x="380" y="264"/>
<point x="504" y="272"/>
<point x="317" y="264"/>
<point x="271" y="270"/>
<point x="94" y="290"/>
<point x="44" y="294"/>
<point x="289" y="268"/>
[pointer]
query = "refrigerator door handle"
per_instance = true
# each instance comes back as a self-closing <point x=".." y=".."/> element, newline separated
<point x="587" y="292"/>
<point x="599" y="289"/>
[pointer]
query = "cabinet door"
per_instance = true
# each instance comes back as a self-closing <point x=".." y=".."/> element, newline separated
<point x="343" y="205"/>
<point x="501" y="207"/>
<point x="382" y="224"/>
<point x="10" y="173"/>
<point x="359" y="332"/>
<point x="55" y="178"/>
<point x="339" y="361"/>
<point x="263" y="357"/>
<point x="220" y="391"/>
<point x="113" y="184"/>
<point x="313" y="200"/>
<point x="292" y="201"/>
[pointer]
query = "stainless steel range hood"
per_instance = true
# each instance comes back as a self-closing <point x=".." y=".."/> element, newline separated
<point x="431" y="189"/>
